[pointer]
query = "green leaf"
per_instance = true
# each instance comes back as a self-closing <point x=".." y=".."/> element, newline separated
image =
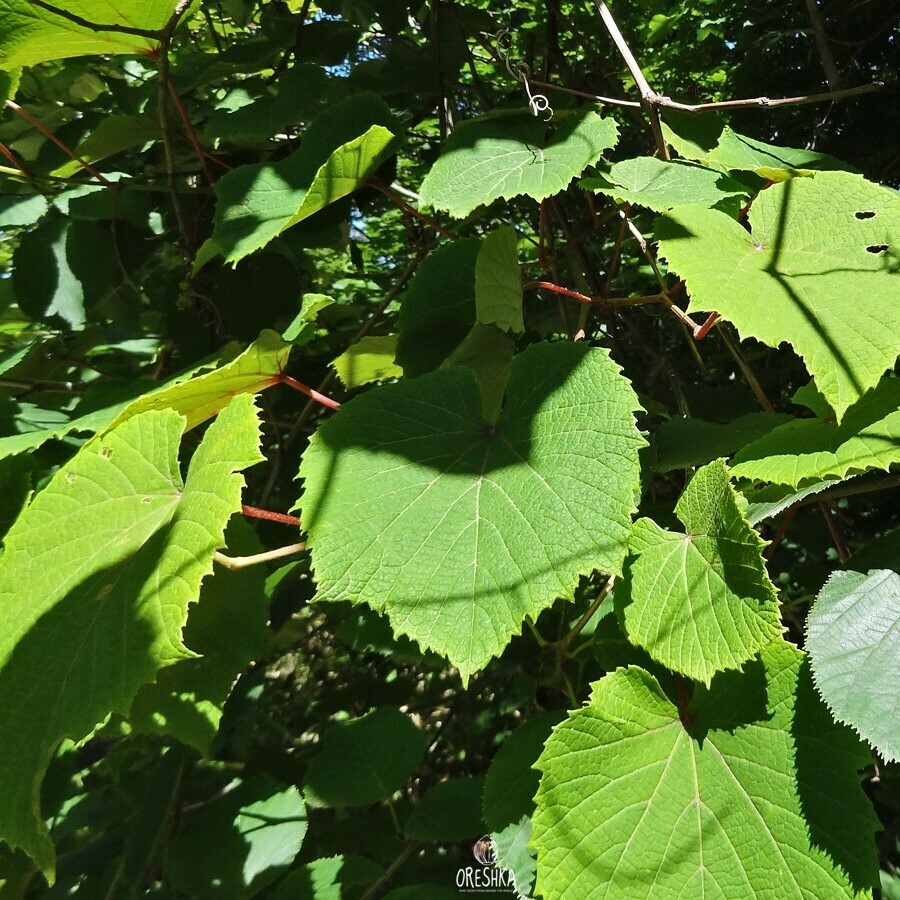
<point x="243" y="117"/>
<point x="340" y="151"/>
<point x="91" y="618"/>
<point x="758" y="796"/>
<point x="365" y="760"/>
<point x="200" y="398"/>
<point x="488" y="352"/>
<point x="370" y="359"/>
<point x="512" y="781"/>
<point x="26" y="209"/>
<point x="700" y="602"/>
<point x="227" y="628"/>
<point x="113" y="135"/>
<point x="46" y="287"/>
<point x="458" y="529"/>
<point x="325" y="879"/>
<point x="232" y="848"/>
<point x="498" y="284"/>
<point x="706" y="138"/>
<point x="659" y="185"/>
<point x="867" y="438"/>
<point x="770" y="501"/>
<point x="450" y="811"/>
<point x="853" y="640"/>
<point x="303" y="329"/>
<point x="438" y="309"/>
<point x="812" y="265"/>
<point x="685" y="443"/>
<point x="510" y="154"/>
<point x="30" y="34"/>
<point x="513" y="854"/>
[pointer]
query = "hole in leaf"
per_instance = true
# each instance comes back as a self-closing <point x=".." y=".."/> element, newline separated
<point x="865" y="214"/>
<point x="877" y="248"/>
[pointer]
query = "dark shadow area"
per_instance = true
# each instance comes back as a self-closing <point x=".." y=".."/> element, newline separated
<point x="83" y="658"/>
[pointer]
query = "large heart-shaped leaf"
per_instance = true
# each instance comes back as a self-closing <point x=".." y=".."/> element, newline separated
<point x="458" y="529"/>
<point x="750" y="791"/>
<point x="95" y="584"/>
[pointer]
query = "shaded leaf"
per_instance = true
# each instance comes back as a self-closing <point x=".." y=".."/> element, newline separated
<point x="660" y="185"/>
<point x="91" y="618"/>
<point x="685" y="443"/>
<point x="438" y="308"/>
<point x="365" y="760"/>
<point x="498" y="285"/>
<point x="450" y="811"/>
<point x="340" y="150"/>
<point x="233" y="847"/>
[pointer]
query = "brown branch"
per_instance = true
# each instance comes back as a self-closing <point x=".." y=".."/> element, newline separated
<point x="96" y="26"/>
<point x="166" y="128"/>
<point x="406" y="207"/>
<point x="840" y="544"/>
<point x="826" y="57"/>
<point x="44" y="130"/>
<point x="598" y="98"/>
<point x="748" y="373"/>
<point x="566" y="292"/>
<point x="312" y="393"/>
<point x="254" y="512"/>
<point x="189" y="128"/>
<point x="648" y="95"/>
<point x="747" y="103"/>
<point x="7" y="152"/>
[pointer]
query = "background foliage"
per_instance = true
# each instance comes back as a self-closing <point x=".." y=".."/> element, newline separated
<point x="614" y="587"/>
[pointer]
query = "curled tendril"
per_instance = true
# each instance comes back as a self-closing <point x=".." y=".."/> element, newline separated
<point x="522" y="72"/>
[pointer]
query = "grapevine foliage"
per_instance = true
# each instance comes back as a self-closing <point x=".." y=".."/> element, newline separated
<point x="399" y="460"/>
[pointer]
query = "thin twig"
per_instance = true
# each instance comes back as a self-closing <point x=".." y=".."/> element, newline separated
<point x="189" y="128"/>
<point x="389" y="297"/>
<point x="244" y="562"/>
<point x="44" y="130"/>
<point x="598" y="98"/>
<point x="406" y="207"/>
<point x="268" y="515"/>
<point x="96" y="26"/>
<point x="648" y="95"/>
<point x="744" y="365"/>
<point x="20" y="166"/>
<point x="312" y="393"/>
<point x="826" y="57"/>
<point x="165" y="125"/>
<point x="563" y="644"/>
<point x="747" y="103"/>
<point x="840" y="544"/>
